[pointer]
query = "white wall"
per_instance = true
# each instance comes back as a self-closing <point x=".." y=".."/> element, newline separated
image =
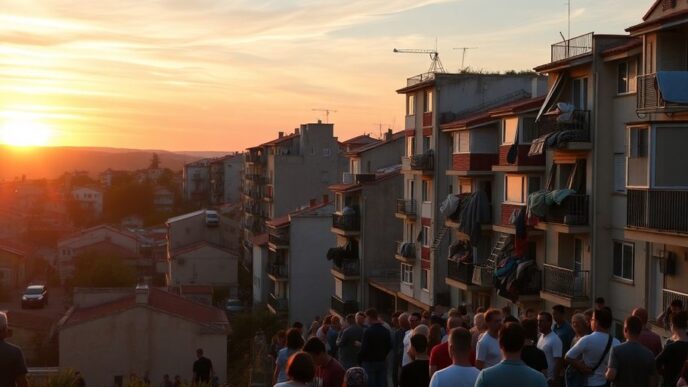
<point x="205" y="265"/>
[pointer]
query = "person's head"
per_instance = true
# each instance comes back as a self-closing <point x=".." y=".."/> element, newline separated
<point x="454" y="322"/>
<point x="317" y="350"/>
<point x="530" y="328"/>
<point x="480" y="309"/>
<point x="350" y="319"/>
<point x="588" y="316"/>
<point x="493" y="320"/>
<point x="632" y="327"/>
<point x="679" y="322"/>
<point x="414" y="320"/>
<point x="506" y="311"/>
<point x="544" y="320"/>
<point x="530" y="314"/>
<point x="676" y="306"/>
<point x="355" y="377"/>
<point x="452" y="312"/>
<point x="199" y="352"/>
<point x="580" y="324"/>
<point x="640" y="313"/>
<point x="460" y="343"/>
<point x="294" y="339"/>
<point x="4" y="326"/>
<point x="404" y="321"/>
<point x="327" y="321"/>
<point x="336" y="322"/>
<point x="419" y="344"/>
<point x="601" y="320"/>
<point x="509" y="318"/>
<point x="422" y="329"/>
<point x="300" y="367"/>
<point x="360" y="318"/>
<point x="316" y="318"/>
<point x="479" y="322"/>
<point x="463" y="310"/>
<point x="599" y="303"/>
<point x="395" y="319"/>
<point x="435" y="336"/>
<point x="559" y="313"/>
<point x="372" y="315"/>
<point x="511" y="338"/>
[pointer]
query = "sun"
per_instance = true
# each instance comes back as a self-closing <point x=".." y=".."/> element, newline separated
<point x="24" y="129"/>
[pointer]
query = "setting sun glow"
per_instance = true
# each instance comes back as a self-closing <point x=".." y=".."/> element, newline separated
<point x="24" y="129"/>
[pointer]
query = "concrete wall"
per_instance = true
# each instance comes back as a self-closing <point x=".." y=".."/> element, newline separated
<point x="193" y="229"/>
<point x="261" y="282"/>
<point x="205" y="265"/>
<point x="139" y="341"/>
<point x="233" y="168"/>
<point x="382" y="156"/>
<point x="11" y="270"/>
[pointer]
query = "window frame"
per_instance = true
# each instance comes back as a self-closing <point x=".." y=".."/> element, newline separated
<point x="622" y="276"/>
<point x="504" y="140"/>
<point x="406" y="274"/>
<point x="410" y="105"/>
<point x="425" y="279"/>
<point x="425" y="240"/>
<point x="457" y="143"/>
<point x="427" y="101"/>
<point x="623" y="76"/>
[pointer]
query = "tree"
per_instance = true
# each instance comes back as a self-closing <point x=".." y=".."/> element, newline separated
<point x="155" y="162"/>
<point x="102" y="270"/>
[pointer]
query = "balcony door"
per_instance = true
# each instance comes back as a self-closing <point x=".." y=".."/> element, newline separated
<point x="580" y="93"/>
<point x="578" y="283"/>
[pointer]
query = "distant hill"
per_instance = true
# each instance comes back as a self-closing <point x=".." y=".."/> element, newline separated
<point x="51" y="162"/>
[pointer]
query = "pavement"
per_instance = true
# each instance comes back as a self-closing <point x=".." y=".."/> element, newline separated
<point x="56" y="308"/>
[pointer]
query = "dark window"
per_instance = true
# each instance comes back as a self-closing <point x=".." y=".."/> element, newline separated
<point x="623" y="260"/>
<point x="622" y="78"/>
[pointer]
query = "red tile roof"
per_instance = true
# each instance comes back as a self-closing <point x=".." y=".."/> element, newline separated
<point x="487" y="115"/>
<point x="282" y="139"/>
<point x="377" y="143"/>
<point x="286" y="219"/>
<point x="88" y="230"/>
<point x="196" y="246"/>
<point x="664" y="19"/>
<point x="195" y="289"/>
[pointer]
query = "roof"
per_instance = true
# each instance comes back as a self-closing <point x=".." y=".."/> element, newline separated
<point x="27" y="320"/>
<point x="487" y="115"/>
<point x="631" y="44"/>
<point x="159" y="300"/>
<point x="14" y="247"/>
<point x="196" y="246"/>
<point x="195" y="289"/>
<point x="91" y="187"/>
<point x="282" y="139"/>
<point x="660" y="20"/>
<point x="379" y="177"/>
<point x="377" y="143"/>
<point x="80" y="233"/>
<point x="286" y="219"/>
<point x="185" y="216"/>
<point x="260" y="239"/>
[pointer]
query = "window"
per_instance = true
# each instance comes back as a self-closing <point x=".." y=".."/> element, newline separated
<point x="426" y="143"/>
<point x="465" y="186"/>
<point x="669" y="143"/>
<point x="424" y="276"/>
<point x="406" y="273"/>
<point x="426" y="236"/>
<point x="619" y="172"/>
<point x="326" y="152"/>
<point x="509" y="130"/>
<point x="514" y="189"/>
<point x="637" y="143"/>
<point x="427" y="101"/>
<point x="623" y="260"/>
<point x="529" y="131"/>
<point x="534" y="184"/>
<point x="580" y="93"/>
<point x="425" y="187"/>
<point x="410" y="104"/>
<point x="410" y="232"/>
<point x="410" y="145"/>
<point x="626" y="77"/>
<point x="411" y="190"/>
<point x="461" y="141"/>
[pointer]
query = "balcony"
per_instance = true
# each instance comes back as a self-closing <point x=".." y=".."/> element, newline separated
<point x="346" y="225"/>
<point x="459" y="275"/>
<point x="278" y="272"/>
<point x="349" y="269"/>
<point x="254" y="158"/>
<point x="573" y="211"/>
<point x="277" y="305"/>
<point x="658" y="210"/>
<point x="578" y="125"/>
<point x="406" y="209"/>
<point x="278" y="241"/>
<point x="669" y="295"/>
<point x="405" y="252"/>
<point x="565" y="286"/>
<point x="483" y="275"/>
<point x="423" y="162"/>
<point x="343" y="308"/>
<point x="649" y="97"/>
<point x="580" y="45"/>
<point x="420" y="78"/>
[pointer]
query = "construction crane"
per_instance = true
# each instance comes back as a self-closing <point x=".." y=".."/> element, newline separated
<point x="463" y="55"/>
<point x="327" y="113"/>
<point x="435" y="64"/>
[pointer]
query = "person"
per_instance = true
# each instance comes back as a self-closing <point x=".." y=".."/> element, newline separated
<point x="425" y="318"/>
<point x="321" y="333"/>
<point x="398" y="346"/>
<point x="562" y="328"/>
<point x="594" y="350"/>
<point x="414" y="321"/>
<point x="550" y="343"/>
<point x="278" y="342"/>
<point x="647" y="338"/>
<point x="12" y="365"/>
<point x="531" y="354"/>
<point x="349" y="342"/>
<point x="416" y="373"/>
<point x="530" y="314"/>
<point x="670" y="361"/>
<point x="600" y="303"/>
<point x="631" y="364"/>
<point x="80" y="382"/>
<point x="361" y="320"/>
<point x="479" y="327"/>
<point x="683" y="380"/>
<point x="465" y="318"/>
<point x="202" y="368"/>
<point x="488" y="352"/>
<point x="374" y="349"/>
<point x="512" y="370"/>
<point x="355" y="377"/>
<point x="300" y="370"/>
<point x="435" y="336"/>
<point x="328" y="371"/>
<point x="332" y="335"/>
<point x="664" y="319"/>
<point x="166" y="381"/>
<point x="440" y="358"/>
<point x="588" y="317"/>
<point x="294" y="344"/>
<point x="298" y="325"/>
<point x="460" y="373"/>
<point x="580" y="328"/>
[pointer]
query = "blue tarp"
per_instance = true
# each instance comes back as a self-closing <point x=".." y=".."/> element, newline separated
<point x="674" y="86"/>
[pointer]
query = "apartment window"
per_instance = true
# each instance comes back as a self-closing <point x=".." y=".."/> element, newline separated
<point x="338" y="202"/>
<point x="461" y="141"/>
<point x="517" y="188"/>
<point x="410" y="232"/>
<point x="626" y="76"/>
<point x="426" y="143"/>
<point x="509" y="130"/>
<point x="619" y="172"/>
<point x="426" y="236"/>
<point x="406" y="274"/>
<point x="424" y="279"/>
<point x="528" y="130"/>
<point x="580" y="93"/>
<point x="623" y="260"/>
<point x="410" y="145"/>
<point x="427" y="101"/>
<point x="410" y="104"/>
<point x="465" y="186"/>
<point x="411" y="190"/>
<point x="637" y="143"/>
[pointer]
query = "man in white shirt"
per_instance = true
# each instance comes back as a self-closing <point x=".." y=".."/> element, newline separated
<point x="488" y="352"/>
<point x="551" y="345"/>
<point x="595" y="349"/>
<point x="460" y="373"/>
<point x="414" y="320"/>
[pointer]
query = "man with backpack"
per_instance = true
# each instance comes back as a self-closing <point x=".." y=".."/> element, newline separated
<point x="594" y="349"/>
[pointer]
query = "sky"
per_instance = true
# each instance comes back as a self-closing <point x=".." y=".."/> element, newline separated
<point x="228" y="74"/>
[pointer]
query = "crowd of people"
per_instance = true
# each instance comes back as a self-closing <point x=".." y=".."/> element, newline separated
<point x="486" y="348"/>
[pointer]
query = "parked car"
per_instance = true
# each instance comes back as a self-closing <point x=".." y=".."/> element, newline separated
<point x="212" y="219"/>
<point x="234" y="305"/>
<point x="35" y="296"/>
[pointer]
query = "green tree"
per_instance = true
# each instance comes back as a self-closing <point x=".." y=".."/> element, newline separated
<point x="102" y="270"/>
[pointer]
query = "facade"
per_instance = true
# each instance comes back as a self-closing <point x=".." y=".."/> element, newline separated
<point x="149" y="333"/>
<point x="225" y="179"/>
<point x="12" y="267"/>
<point x="187" y="229"/>
<point x="163" y="199"/>
<point x="89" y="199"/>
<point x="203" y="263"/>
<point x="196" y="180"/>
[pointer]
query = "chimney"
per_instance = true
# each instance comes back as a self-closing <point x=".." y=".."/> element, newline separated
<point x="280" y="134"/>
<point x="142" y="293"/>
<point x="296" y="130"/>
<point x="320" y="121"/>
<point x="326" y="198"/>
<point x="388" y="135"/>
<point x="312" y="203"/>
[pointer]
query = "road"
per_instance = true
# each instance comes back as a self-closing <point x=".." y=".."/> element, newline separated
<point x="56" y="308"/>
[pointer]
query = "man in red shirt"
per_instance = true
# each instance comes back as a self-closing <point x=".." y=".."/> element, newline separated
<point x="439" y="356"/>
<point x="649" y="339"/>
<point x="328" y="371"/>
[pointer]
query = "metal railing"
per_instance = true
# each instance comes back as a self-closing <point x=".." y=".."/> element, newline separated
<point x="411" y="252"/>
<point x="278" y="304"/>
<point x="343" y="307"/>
<point x="349" y="267"/>
<point x="419" y="79"/>
<point x="278" y="239"/>
<point x="572" y="211"/>
<point x="349" y="222"/>
<point x="406" y="207"/>
<point x="580" y="120"/>
<point x="483" y="275"/>
<point x="566" y="282"/>
<point x="572" y="47"/>
<point x="462" y="272"/>
<point x="254" y="158"/>
<point x="278" y="270"/>
<point x="669" y="295"/>
<point x="662" y="210"/>
<point x="423" y="162"/>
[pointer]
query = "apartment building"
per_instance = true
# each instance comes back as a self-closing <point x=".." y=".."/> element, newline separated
<point x="225" y="179"/>
<point x="196" y="180"/>
<point x="364" y="225"/>
<point x="432" y="100"/>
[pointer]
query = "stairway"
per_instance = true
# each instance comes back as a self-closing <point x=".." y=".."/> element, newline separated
<point x="504" y="244"/>
<point x="439" y="237"/>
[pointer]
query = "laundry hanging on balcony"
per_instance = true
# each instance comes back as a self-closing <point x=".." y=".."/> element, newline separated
<point x="539" y="202"/>
<point x="449" y="205"/>
<point x="564" y="124"/>
<point x="461" y="251"/>
<point x="516" y="276"/>
<point x="673" y="85"/>
<point x="407" y="250"/>
<point x="470" y="212"/>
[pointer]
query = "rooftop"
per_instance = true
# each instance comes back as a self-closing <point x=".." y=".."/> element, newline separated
<point x="487" y="115"/>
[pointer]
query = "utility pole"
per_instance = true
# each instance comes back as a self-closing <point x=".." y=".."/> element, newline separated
<point x="568" y="3"/>
<point x="463" y="55"/>
<point x="327" y="113"/>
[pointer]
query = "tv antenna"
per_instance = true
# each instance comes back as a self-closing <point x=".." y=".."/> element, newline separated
<point x="463" y="55"/>
<point x="327" y="113"/>
<point x="379" y="127"/>
<point x="568" y="4"/>
<point x="435" y="62"/>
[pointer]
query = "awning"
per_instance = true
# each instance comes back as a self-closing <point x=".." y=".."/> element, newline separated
<point x="674" y="86"/>
<point x="552" y="95"/>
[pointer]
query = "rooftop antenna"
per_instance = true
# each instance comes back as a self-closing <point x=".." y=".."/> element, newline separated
<point x="568" y="4"/>
<point x="435" y="64"/>
<point x="379" y="126"/>
<point x="327" y="113"/>
<point x="463" y="55"/>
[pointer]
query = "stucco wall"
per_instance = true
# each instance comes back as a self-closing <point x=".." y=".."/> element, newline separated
<point x="205" y="265"/>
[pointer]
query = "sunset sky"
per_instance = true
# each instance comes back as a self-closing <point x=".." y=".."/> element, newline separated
<point x="228" y="74"/>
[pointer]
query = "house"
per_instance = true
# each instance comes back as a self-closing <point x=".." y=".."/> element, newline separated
<point x="163" y="199"/>
<point x="110" y="176"/>
<point x="190" y="228"/>
<point x="150" y="333"/>
<point x="203" y="263"/>
<point x="89" y="199"/>
<point x="12" y="266"/>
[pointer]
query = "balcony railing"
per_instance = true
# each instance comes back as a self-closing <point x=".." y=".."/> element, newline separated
<point x="278" y="270"/>
<point x="461" y="272"/>
<point x="572" y="211"/>
<point x="566" y="282"/>
<point x="254" y="158"/>
<point x="662" y="210"/>
<point x="572" y="47"/>
<point x="419" y="79"/>
<point x="278" y="239"/>
<point x="580" y="120"/>
<point x="423" y="162"/>
<point x="409" y="253"/>
<point x="669" y="295"/>
<point x="406" y="207"/>
<point x="649" y="97"/>
<point x="348" y="267"/>
<point x="278" y="304"/>
<point x="343" y="308"/>
<point x="348" y="222"/>
<point x="483" y="275"/>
